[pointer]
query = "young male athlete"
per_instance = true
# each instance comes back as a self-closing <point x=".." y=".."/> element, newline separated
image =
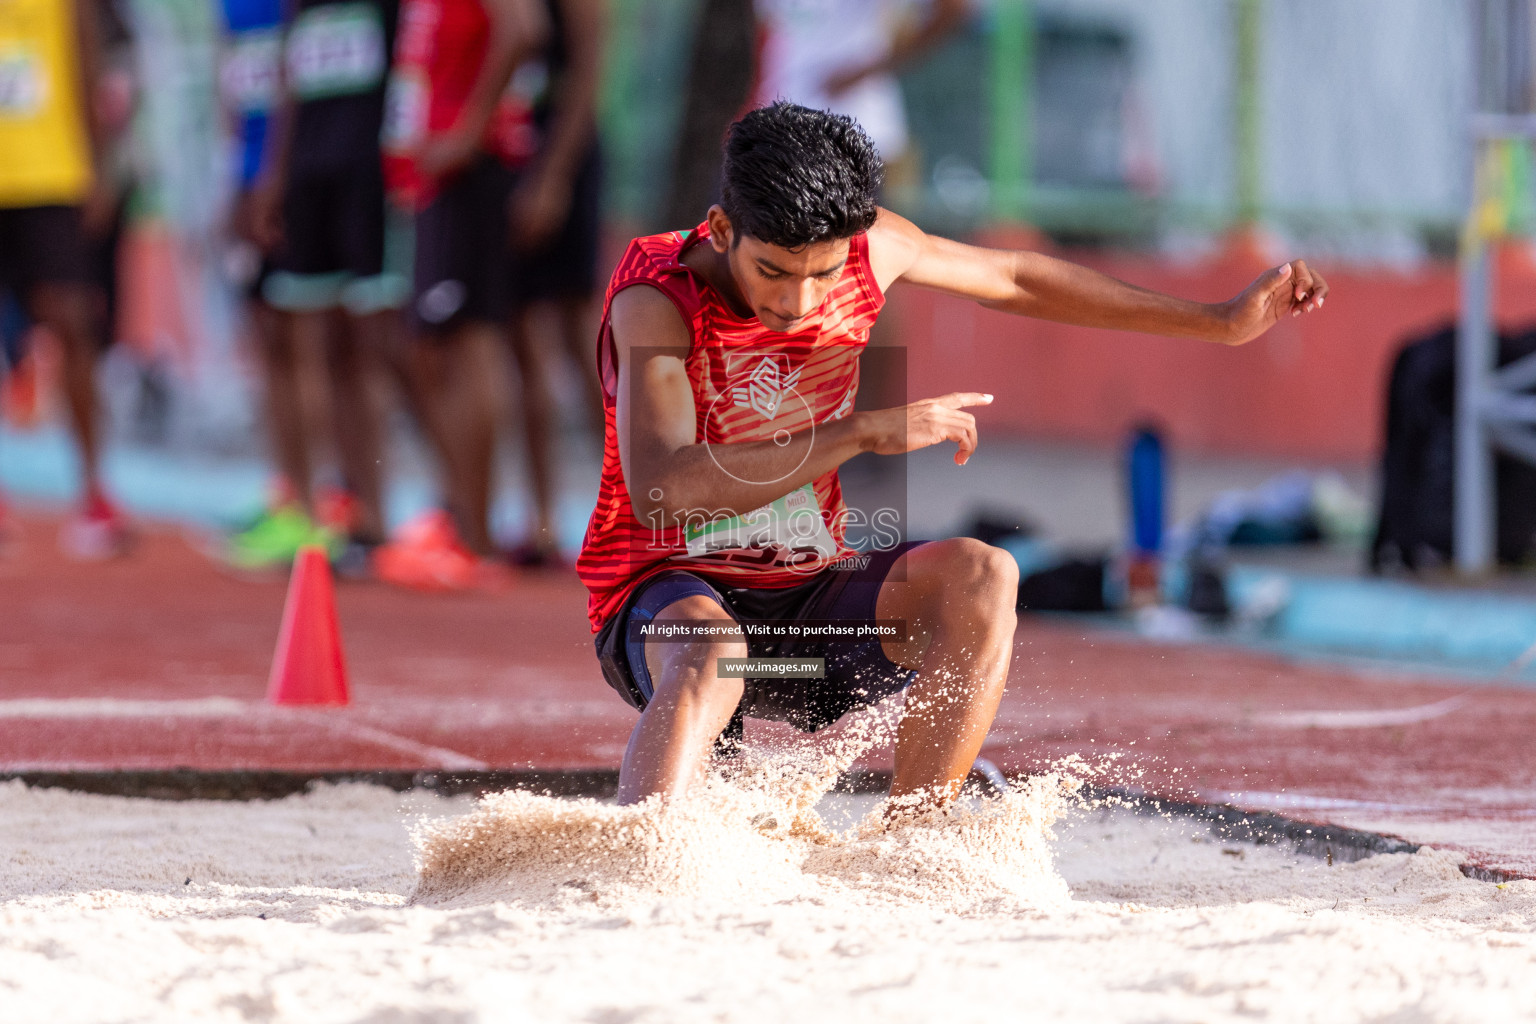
<point x="452" y="143"/>
<point x="730" y="360"/>
<point x="318" y="207"/>
<point x="556" y="223"/>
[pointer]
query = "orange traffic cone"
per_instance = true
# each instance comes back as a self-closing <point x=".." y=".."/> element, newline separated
<point x="309" y="667"/>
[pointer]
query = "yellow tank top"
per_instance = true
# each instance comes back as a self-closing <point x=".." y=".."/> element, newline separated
<point x="44" y="149"/>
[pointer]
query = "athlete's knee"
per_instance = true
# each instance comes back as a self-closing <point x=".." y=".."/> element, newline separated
<point x="690" y="685"/>
<point x="66" y="310"/>
<point x="977" y="579"/>
<point x="278" y="352"/>
<point x="346" y="357"/>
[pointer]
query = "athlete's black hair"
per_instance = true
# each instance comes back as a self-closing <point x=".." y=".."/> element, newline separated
<point x="794" y="176"/>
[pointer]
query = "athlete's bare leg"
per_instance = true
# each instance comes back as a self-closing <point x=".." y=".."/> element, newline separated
<point x="538" y="432"/>
<point x="311" y="338"/>
<point x="958" y="598"/>
<point x="451" y="374"/>
<point x="690" y="707"/>
<point x="353" y="345"/>
<point x="399" y="354"/>
<point x="285" y="398"/>
<point x="66" y="310"/>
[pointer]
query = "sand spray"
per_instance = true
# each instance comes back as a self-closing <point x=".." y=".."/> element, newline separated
<point x="749" y="831"/>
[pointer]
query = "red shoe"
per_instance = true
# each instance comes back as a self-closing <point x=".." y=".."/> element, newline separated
<point x="99" y="531"/>
<point x="338" y="510"/>
<point x="426" y="554"/>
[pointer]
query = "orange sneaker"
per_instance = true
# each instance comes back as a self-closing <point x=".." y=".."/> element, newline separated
<point x="426" y="554"/>
<point x="99" y="531"/>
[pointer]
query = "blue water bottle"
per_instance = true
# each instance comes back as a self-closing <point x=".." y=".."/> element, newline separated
<point x="1144" y="465"/>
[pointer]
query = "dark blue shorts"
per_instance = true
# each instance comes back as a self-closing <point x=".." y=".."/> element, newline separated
<point x="858" y="673"/>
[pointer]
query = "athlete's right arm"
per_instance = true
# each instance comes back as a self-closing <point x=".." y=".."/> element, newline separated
<point x="668" y="470"/>
<point x="266" y="202"/>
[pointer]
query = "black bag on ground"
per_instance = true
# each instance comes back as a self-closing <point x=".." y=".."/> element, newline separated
<point x="1075" y="585"/>
<point x="1414" y="525"/>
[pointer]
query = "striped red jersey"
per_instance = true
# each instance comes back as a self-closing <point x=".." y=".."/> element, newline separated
<point x="749" y="384"/>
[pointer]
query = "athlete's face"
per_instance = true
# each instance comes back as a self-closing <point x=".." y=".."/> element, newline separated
<point x="782" y="286"/>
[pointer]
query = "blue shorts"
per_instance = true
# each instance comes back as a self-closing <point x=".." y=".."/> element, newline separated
<point x="858" y="673"/>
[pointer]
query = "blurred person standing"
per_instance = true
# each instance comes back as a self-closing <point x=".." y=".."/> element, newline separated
<point x="556" y="224"/>
<point x="250" y="80"/>
<point x="843" y="56"/>
<point x="18" y="398"/>
<point x="454" y="143"/>
<point x="319" y="210"/>
<point x="54" y="193"/>
<point x="722" y="74"/>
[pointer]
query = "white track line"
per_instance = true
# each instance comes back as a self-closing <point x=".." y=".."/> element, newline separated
<point x="113" y="707"/>
<point x="1361" y="719"/>
<point x="444" y="758"/>
<point x="343" y="725"/>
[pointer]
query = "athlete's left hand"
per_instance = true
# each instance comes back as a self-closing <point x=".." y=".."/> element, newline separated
<point x="834" y="85"/>
<point x="1290" y="289"/>
<point x="100" y="208"/>
<point x="539" y="208"/>
<point x="448" y="153"/>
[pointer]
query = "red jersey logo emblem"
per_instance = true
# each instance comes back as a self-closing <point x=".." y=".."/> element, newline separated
<point x="765" y="387"/>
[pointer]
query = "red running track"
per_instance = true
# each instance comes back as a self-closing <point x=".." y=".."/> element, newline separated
<point x="160" y="661"/>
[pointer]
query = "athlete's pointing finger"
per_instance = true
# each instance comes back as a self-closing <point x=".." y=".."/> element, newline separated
<point x="961" y="399"/>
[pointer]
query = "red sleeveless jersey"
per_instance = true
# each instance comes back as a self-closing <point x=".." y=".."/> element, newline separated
<point x="749" y="384"/>
<point x="438" y="53"/>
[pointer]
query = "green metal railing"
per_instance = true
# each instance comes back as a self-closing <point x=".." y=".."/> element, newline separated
<point x="1012" y="109"/>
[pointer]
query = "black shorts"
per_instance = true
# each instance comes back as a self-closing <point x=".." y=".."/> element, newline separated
<point x="858" y="674"/>
<point x="466" y="268"/>
<point x="462" y="262"/>
<point x="565" y="268"/>
<point x="333" y="223"/>
<point x="43" y="245"/>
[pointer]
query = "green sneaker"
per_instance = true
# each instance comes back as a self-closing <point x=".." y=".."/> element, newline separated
<point x="274" y="540"/>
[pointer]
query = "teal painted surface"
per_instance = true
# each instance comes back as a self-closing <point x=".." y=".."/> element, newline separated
<point x="1395" y="620"/>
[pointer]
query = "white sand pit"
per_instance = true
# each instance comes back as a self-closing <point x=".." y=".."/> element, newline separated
<point x="535" y="909"/>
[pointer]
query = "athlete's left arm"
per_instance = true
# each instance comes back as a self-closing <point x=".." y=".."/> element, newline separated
<point x="1040" y="286"/>
<point x="544" y="196"/>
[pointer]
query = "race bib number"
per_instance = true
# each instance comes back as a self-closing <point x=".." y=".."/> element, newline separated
<point x="336" y="50"/>
<point x="792" y="524"/>
<point x="405" y="111"/>
<point x="22" y="83"/>
<point x="248" y="76"/>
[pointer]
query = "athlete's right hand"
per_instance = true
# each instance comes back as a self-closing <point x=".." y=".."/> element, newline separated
<point x="910" y="427"/>
<point x="266" y="214"/>
<point x="448" y="153"/>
